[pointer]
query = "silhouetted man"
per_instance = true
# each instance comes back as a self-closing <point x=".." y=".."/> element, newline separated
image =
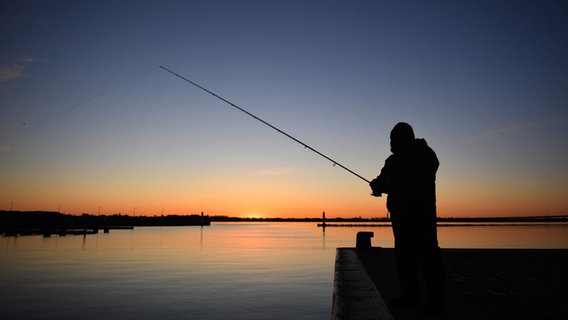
<point x="409" y="179"/>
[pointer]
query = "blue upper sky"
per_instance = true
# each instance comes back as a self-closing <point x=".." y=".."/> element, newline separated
<point x="88" y="118"/>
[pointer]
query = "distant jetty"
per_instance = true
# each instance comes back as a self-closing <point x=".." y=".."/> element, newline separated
<point x="448" y="222"/>
<point x="46" y="223"/>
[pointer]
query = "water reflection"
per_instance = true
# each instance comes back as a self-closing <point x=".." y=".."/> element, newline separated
<point x="231" y="270"/>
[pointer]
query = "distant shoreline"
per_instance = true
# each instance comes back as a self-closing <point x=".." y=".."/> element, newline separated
<point x="388" y="220"/>
<point x="15" y="223"/>
<point x="457" y="224"/>
<point x="176" y="219"/>
<point x="46" y="223"/>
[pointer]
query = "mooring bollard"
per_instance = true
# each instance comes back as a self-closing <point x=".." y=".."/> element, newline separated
<point x="364" y="240"/>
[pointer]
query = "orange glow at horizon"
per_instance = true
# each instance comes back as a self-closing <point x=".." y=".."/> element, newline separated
<point x="281" y="207"/>
<point x="252" y="195"/>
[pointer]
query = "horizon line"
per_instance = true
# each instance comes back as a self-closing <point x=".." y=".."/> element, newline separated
<point x="291" y="218"/>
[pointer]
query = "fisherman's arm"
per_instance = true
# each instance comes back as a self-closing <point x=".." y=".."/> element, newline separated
<point x="382" y="183"/>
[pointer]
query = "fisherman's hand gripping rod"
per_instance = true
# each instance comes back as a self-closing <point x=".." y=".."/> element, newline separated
<point x="335" y="163"/>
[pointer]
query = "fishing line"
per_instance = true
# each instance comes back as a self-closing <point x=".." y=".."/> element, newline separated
<point x="335" y="163"/>
<point x="30" y="126"/>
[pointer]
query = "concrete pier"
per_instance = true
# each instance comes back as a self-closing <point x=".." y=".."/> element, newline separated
<point x="488" y="284"/>
<point x="354" y="293"/>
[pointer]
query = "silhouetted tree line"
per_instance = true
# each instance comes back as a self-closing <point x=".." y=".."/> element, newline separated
<point x="552" y="218"/>
<point x="11" y="221"/>
<point x="258" y="219"/>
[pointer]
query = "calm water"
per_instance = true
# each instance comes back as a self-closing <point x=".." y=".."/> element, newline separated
<point x="224" y="271"/>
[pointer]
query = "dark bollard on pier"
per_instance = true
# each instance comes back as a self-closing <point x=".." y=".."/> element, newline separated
<point x="364" y="240"/>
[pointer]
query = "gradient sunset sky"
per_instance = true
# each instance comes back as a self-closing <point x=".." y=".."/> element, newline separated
<point x="90" y="123"/>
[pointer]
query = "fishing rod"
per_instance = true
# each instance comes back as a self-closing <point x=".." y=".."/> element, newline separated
<point x="335" y="163"/>
<point x="29" y="125"/>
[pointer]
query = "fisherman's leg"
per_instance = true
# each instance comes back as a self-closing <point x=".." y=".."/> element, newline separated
<point x="407" y="269"/>
<point x="406" y="261"/>
<point x="432" y="267"/>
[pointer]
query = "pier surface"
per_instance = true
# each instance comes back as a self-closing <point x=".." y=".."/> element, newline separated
<point x="482" y="283"/>
<point x="355" y="295"/>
